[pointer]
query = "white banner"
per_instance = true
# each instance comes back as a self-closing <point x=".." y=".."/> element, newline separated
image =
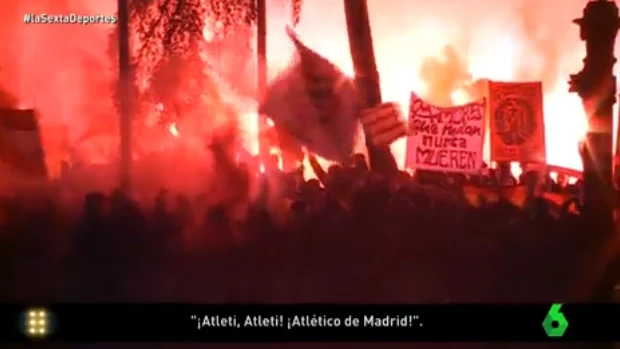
<point x="446" y="139"/>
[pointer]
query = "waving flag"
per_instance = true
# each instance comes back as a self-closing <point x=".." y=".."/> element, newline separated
<point x="384" y="123"/>
<point x="316" y="103"/>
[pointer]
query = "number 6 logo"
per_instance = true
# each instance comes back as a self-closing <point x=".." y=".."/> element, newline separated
<point x="555" y="323"/>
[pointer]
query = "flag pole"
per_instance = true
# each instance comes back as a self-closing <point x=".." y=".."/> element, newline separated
<point x="366" y="76"/>
<point x="124" y="88"/>
<point x="261" y="83"/>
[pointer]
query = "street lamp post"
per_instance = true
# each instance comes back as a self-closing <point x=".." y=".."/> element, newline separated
<point x="596" y="85"/>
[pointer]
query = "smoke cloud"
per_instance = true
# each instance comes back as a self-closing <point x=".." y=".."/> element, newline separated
<point x="435" y="47"/>
<point x="431" y="47"/>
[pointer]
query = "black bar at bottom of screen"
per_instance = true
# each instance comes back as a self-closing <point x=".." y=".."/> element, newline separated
<point x="308" y="323"/>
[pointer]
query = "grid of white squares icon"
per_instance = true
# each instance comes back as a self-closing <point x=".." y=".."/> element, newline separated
<point x="37" y="322"/>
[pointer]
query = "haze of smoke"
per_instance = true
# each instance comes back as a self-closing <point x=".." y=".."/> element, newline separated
<point x="65" y="73"/>
<point x="540" y="37"/>
<point x="60" y="70"/>
<point x="542" y="42"/>
<point x="443" y="75"/>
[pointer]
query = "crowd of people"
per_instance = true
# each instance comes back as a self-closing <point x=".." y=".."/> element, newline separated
<point x="348" y="235"/>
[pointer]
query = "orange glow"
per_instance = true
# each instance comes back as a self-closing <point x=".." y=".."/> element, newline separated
<point x="511" y="41"/>
<point x="173" y="130"/>
<point x="66" y="73"/>
<point x="277" y="152"/>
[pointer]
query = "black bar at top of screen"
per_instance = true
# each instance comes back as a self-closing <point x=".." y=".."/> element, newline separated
<point x="302" y="323"/>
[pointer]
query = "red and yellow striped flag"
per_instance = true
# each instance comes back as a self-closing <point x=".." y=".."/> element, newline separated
<point x="384" y="123"/>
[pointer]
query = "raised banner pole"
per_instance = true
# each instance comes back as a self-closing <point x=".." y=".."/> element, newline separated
<point x="366" y="76"/>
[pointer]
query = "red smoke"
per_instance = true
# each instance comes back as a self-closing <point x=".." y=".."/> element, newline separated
<point x="432" y="47"/>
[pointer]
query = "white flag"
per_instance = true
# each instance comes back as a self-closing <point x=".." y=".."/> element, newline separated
<point x="316" y="103"/>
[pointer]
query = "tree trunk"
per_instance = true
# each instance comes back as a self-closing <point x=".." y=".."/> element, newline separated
<point x="124" y="88"/>
<point x="367" y="77"/>
<point x="261" y="72"/>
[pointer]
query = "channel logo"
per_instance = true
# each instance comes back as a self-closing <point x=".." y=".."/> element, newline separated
<point x="555" y="323"/>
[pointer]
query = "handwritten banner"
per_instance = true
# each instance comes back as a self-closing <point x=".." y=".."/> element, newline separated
<point x="446" y="139"/>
